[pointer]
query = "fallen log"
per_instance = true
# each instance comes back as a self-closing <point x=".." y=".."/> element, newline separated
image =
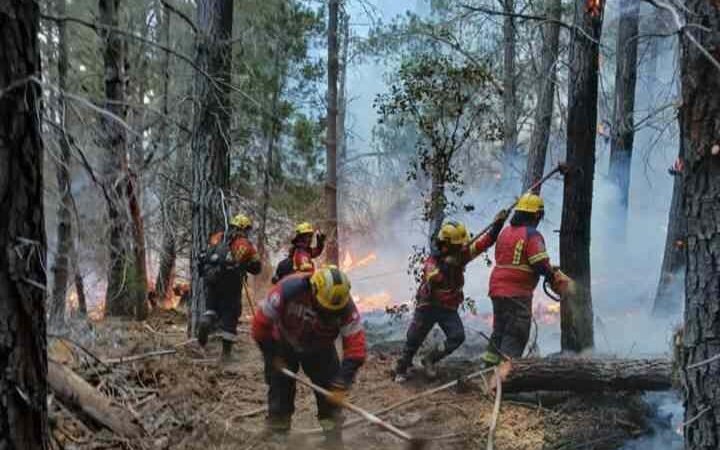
<point x="75" y="392"/>
<point x="586" y="375"/>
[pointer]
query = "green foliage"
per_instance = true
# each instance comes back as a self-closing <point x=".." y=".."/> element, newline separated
<point x="450" y="105"/>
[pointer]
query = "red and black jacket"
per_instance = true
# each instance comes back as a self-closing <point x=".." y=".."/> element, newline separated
<point x="520" y="259"/>
<point x="290" y="314"/>
<point x="443" y="282"/>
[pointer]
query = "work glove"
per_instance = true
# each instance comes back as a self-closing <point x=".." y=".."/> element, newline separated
<point x="501" y="216"/>
<point x="320" y="238"/>
<point x="561" y="283"/>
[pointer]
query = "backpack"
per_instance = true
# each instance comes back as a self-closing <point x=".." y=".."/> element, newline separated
<point x="217" y="262"/>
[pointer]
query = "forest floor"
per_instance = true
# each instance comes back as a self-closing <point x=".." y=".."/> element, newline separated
<point x="185" y="400"/>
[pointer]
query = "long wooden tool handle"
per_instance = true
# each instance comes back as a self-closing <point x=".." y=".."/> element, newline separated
<point x="347" y="405"/>
<point x="558" y="168"/>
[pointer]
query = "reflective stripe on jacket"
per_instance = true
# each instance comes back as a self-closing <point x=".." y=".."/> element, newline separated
<point x="520" y="259"/>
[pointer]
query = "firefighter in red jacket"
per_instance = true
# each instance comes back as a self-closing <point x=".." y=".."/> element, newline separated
<point x="441" y="293"/>
<point x="225" y="267"/>
<point x="296" y="326"/>
<point x="302" y="252"/>
<point x="520" y="260"/>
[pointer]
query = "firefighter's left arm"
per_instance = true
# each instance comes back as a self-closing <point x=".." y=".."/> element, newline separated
<point x="537" y="254"/>
<point x="319" y="245"/>
<point x="487" y="240"/>
<point x="265" y="318"/>
<point x="354" y="347"/>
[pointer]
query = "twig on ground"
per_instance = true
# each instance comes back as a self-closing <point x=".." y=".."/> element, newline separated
<point x="250" y="413"/>
<point x="126" y="359"/>
<point x="496" y="411"/>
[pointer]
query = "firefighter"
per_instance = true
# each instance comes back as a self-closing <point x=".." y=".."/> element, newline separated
<point x="520" y="260"/>
<point x="302" y="252"/>
<point x="225" y="266"/>
<point x="296" y="326"/>
<point x="441" y="293"/>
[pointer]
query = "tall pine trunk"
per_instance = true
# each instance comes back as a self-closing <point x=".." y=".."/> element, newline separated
<point x="61" y="266"/>
<point x="23" y="359"/>
<point x="510" y="113"/>
<point x="120" y="298"/>
<point x="331" y="249"/>
<point x="139" y="85"/>
<point x="700" y="125"/>
<point x="211" y="134"/>
<point x="544" y="109"/>
<point x="623" y="125"/>
<point x="668" y="298"/>
<point x="577" y="311"/>
<point x="168" y="251"/>
<point x="273" y="128"/>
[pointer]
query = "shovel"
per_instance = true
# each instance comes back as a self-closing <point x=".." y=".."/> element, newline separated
<point x="414" y="443"/>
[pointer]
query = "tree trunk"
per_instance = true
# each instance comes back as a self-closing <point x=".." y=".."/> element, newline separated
<point x="588" y="375"/>
<point x="211" y="131"/>
<point x="134" y="185"/>
<point x="140" y="286"/>
<point x="342" y="89"/>
<point x="119" y="298"/>
<point x="168" y="253"/>
<point x="577" y="312"/>
<point x="700" y="125"/>
<point x="23" y="359"/>
<point x="79" y="285"/>
<point x="668" y="298"/>
<point x="544" y="109"/>
<point x="61" y="266"/>
<point x="623" y="124"/>
<point x="510" y="132"/>
<point x="272" y="133"/>
<point x="331" y="249"/>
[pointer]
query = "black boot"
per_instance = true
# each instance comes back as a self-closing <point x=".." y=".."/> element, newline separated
<point x="226" y="356"/>
<point x="205" y="327"/>
<point x="332" y="431"/>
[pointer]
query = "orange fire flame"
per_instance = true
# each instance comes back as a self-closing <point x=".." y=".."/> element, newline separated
<point x="349" y="264"/>
<point x="375" y="302"/>
<point x="594" y="7"/>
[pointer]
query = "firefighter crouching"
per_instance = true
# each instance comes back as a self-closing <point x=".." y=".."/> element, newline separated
<point x="296" y="326"/>
<point x="520" y="260"/>
<point x="225" y="266"/>
<point x="441" y="293"/>
<point x="302" y="252"/>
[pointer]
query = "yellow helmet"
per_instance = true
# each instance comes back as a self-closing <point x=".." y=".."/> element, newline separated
<point x="453" y="233"/>
<point x="531" y="203"/>
<point x="332" y="288"/>
<point x="304" y="228"/>
<point x="241" y="221"/>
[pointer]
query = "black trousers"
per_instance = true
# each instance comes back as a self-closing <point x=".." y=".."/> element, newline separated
<point x="320" y="366"/>
<point x="511" y="325"/>
<point x="225" y="299"/>
<point x="424" y="319"/>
